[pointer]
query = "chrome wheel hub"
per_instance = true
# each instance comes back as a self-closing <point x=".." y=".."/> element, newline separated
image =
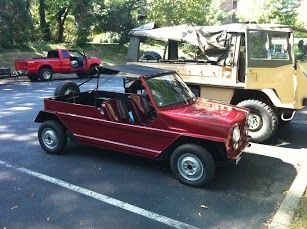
<point x="255" y="122"/>
<point x="49" y="138"/>
<point x="190" y="167"/>
<point x="46" y="75"/>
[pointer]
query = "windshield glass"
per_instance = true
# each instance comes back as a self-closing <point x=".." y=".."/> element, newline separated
<point x="169" y="90"/>
<point x="300" y="50"/>
<point x="268" y="45"/>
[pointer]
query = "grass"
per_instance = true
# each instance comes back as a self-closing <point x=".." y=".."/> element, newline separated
<point x="109" y="53"/>
<point x="300" y="218"/>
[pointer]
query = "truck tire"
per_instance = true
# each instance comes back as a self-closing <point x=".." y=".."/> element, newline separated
<point x="52" y="137"/>
<point x="82" y="75"/>
<point x="192" y="165"/>
<point x="66" y="88"/>
<point x="94" y="72"/>
<point x="264" y="120"/>
<point x="33" y="77"/>
<point x="151" y="55"/>
<point x="45" y="74"/>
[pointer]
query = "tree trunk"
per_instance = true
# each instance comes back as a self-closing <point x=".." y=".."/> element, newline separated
<point x="42" y="20"/>
<point x="61" y="18"/>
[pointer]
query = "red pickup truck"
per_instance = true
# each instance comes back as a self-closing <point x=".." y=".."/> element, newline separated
<point x="62" y="61"/>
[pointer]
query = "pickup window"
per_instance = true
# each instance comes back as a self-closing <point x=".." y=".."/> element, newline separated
<point x="65" y="54"/>
<point x="53" y="54"/>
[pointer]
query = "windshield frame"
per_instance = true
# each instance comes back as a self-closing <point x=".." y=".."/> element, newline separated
<point x="186" y="102"/>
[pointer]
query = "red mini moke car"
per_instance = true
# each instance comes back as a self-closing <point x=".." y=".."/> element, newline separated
<point x="156" y="117"/>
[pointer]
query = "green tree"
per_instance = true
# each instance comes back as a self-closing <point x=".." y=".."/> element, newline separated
<point x="15" y="23"/>
<point x="195" y="12"/>
<point x="280" y="11"/>
<point x="119" y="16"/>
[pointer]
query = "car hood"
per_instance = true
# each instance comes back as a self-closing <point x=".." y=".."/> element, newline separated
<point x="215" y="117"/>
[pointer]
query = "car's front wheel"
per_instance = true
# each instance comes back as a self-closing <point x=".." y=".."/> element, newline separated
<point x="192" y="165"/>
<point x="52" y="137"/>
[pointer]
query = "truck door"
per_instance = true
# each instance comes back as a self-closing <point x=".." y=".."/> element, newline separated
<point x="65" y="61"/>
<point x="270" y="64"/>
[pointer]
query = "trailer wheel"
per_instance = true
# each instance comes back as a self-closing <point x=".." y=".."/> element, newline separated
<point x="52" y="137"/>
<point x="151" y="55"/>
<point x="66" y="88"/>
<point x="192" y="165"/>
<point x="45" y="74"/>
<point x="33" y="77"/>
<point x="264" y="120"/>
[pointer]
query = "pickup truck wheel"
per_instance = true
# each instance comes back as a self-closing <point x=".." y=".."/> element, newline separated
<point x="45" y="74"/>
<point x="66" y="88"/>
<point x="83" y="75"/>
<point x="192" y="165"/>
<point x="52" y="137"/>
<point x="33" y="77"/>
<point x="94" y="72"/>
<point x="264" y="120"/>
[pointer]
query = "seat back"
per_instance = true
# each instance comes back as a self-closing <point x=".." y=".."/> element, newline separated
<point x="115" y="110"/>
<point x="141" y="109"/>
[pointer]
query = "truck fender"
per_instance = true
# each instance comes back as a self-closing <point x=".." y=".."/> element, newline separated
<point x="275" y="100"/>
<point x="45" y="116"/>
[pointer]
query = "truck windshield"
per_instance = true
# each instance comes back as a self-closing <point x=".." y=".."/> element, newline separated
<point x="268" y="45"/>
<point x="170" y="90"/>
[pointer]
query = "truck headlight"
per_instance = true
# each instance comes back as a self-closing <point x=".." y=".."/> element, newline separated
<point x="236" y="135"/>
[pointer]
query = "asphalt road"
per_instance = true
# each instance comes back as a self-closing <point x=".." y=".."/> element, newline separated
<point x="245" y="196"/>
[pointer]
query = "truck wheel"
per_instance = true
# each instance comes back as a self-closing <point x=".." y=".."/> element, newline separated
<point x="51" y="136"/>
<point x="33" y="77"/>
<point x="151" y="55"/>
<point x="94" y="72"/>
<point x="45" y="74"/>
<point x="83" y="75"/>
<point x="192" y="165"/>
<point x="264" y="120"/>
<point x="66" y="88"/>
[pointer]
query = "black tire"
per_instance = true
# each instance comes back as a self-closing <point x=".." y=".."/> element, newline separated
<point x="33" y="77"/>
<point x="66" y="88"/>
<point x="264" y="120"/>
<point x="151" y="55"/>
<point x="52" y="137"/>
<point x="200" y="161"/>
<point x="94" y="72"/>
<point x="83" y="75"/>
<point x="45" y="74"/>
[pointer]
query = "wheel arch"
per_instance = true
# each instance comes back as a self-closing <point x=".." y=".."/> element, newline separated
<point x="216" y="149"/>
<point x="45" y="116"/>
<point x="45" y="66"/>
<point x="262" y="95"/>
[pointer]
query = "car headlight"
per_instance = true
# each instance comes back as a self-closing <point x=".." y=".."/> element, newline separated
<point x="236" y="135"/>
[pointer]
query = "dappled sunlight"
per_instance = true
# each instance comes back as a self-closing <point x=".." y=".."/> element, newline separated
<point x="6" y="176"/>
<point x="18" y="137"/>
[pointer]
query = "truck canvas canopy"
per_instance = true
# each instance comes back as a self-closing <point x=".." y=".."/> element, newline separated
<point x="213" y="41"/>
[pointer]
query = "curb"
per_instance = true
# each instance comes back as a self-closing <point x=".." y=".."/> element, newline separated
<point x="286" y="211"/>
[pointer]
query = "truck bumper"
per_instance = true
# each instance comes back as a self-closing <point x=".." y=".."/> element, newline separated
<point x="22" y="72"/>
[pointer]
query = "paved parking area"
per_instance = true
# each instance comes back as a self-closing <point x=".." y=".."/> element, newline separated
<point x="141" y="193"/>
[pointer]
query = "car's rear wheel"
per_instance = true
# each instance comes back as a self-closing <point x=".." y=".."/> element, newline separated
<point x="52" y="137"/>
<point x="264" y="120"/>
<point x="66" y="88"/>
<point x="45" y="74"/>
<point x="192" y="165"/>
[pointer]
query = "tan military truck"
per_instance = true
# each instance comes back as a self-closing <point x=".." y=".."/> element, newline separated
<point x="249" y="65"/>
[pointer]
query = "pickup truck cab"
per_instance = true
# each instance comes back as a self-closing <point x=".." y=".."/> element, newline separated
<point x="157" y="117"/>
<point x="64" y="61"/>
